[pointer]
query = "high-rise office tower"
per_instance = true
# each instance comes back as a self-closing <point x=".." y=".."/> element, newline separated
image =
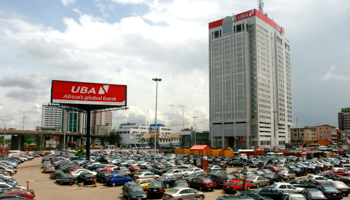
<point x="250" y="82"/>
<point x="344" y="119"/>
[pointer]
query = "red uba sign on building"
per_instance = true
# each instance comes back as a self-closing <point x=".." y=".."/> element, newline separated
<point x="66" y="92"/>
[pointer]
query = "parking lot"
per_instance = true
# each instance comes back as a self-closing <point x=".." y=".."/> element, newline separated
<point x="30" y="173"/>
<point x="45" y="188"/>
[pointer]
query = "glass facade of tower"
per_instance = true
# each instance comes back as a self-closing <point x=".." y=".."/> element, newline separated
<point x="250" y="82"/>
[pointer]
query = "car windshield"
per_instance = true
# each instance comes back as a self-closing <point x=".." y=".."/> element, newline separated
<point x="155" y="184"/>
<point x="66" y="175"/>
<point x="173" y="191"/>
<point x="251" y="178"/>
<point x="316" y="194"/>
<point x="207" y="180"/>
<point x="189" y="170"/>
<point x="136" y="189"/>
<point x="231" y="176"/>
<point x="297" y="198"/>
<point x="340" y="184"/>
<point x="171" y="171"/>
<point x="330" y="189"/>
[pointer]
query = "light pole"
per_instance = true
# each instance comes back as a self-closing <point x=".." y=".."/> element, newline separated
<point x="3" y="149"/>
<point x="24" y="113"/>
<point x="155" y="121"/>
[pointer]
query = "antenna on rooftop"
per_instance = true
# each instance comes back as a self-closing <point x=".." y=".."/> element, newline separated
<point x="261" y="6"/>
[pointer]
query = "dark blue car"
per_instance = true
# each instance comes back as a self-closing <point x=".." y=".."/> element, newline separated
<point x="117" y="179"/>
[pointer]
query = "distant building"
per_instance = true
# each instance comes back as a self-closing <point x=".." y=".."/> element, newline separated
<point x="344" y="119"/>
<point x="132" y="135"/>
<point x="189" y="137"/>
<point x="326" y="133"/>
<point x="51" y="117"/>
<point x="303" y="136"/>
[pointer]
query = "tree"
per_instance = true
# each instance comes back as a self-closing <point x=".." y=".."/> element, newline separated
<point x="113" y="137"/>
<point x="29" y="140"/>
<point x="142" y="140"/>
<point x="151" y="142"/>
<point x="80" y="152"/>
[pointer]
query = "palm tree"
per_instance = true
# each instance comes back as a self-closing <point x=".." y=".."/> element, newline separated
<point x="142" y="140"/>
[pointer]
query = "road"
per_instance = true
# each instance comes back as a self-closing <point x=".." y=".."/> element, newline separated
<point x="30" y="173"/>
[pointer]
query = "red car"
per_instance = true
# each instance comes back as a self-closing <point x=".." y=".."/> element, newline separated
<point x="134" y="168"/>
<point x="231" y="186"/>
<point x="24" y="194"/>
<point x="203" y="183"/>
<point x="71" y="169"/>
<point x="106" y="169"/>
<point x="273" y="168"/>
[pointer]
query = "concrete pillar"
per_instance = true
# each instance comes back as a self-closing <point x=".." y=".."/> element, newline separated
<point x="61" y="147"/>
<point x="17" y="142"/>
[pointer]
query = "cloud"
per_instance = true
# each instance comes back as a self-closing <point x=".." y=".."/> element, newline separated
<point x="330" y="75"/>
<point x="67" y="2"/>
<point x="130" y="1"/>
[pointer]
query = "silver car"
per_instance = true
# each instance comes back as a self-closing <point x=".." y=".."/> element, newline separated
<point x="175" y="172"/>
<point x="183" y="193"/>
<point x="286" y="174"/>
<point x="257" y="181"/>
<point x="194" y="170"/>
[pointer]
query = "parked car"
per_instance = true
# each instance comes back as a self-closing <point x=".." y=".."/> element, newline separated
<point x="272" y="193"/>
<point x="17" y="189"/>
<point x="194" y="170"/>
<point x="145" y="182"/>
<point x="133" y="191"/>
<point x="287" y="174"/>
<point x="181" y="183"/>
<point x="65" y="178"/>
<point x="146" y="175"/>
<point x="48" y="168"/>
<point x="155" y="188"/>
<point x="117" y="179"/>
<point x="313" y="194"/>
<point x="168" y="181"/>
<point x="273" y="177"/>
<point x="86" y="178"/>
<point x="292" y="196"/>
<point x="175" y="172"/>
<point x="252" y="194"/>
<point x="219" y="179"/>
<point x="232" y="186"/>
<point x="25" y="194"/>
<point x="330" y="191"/>
<point x="54" y="174"/>
<point x="183" y="193"/>
<point x="341" y="186"/>
<point x="257" y="181"/>
<point x="101" y="176"/>
<point x="203" y="183"/>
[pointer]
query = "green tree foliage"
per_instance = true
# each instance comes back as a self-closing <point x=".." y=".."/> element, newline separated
<point x="142" y="140"/>
<point x="113" y="137"/>
<point x="151" y="142"/>
<point x="80" y="152"/>
<point x="29" y="140"/>
<point x="40" y="148"/>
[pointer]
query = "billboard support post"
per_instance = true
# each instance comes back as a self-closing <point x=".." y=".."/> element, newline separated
<point x="88" y="119"/>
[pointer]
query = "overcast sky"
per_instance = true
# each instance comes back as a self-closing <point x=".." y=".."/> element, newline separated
<point x="132" y="41"/>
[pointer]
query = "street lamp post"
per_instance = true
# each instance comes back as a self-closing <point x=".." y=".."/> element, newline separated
<point x="155" y="121"/>
<point x="24" y="113"/>
<point x="3" y="148"/>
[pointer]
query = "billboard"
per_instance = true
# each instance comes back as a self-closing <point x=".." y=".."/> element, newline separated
<point x="67" y="92"/>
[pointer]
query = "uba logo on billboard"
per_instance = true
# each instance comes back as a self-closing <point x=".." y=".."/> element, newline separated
<point x="66" y="92"/>
<point x="245" y="15"/>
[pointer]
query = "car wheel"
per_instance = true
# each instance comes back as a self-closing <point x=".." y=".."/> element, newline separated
<point x="113" y="184"/>
<point x="167" y="185"/>
<point x="257" y="185"/>
<point x="200" y="188"/>
<point x="201" y="197"/>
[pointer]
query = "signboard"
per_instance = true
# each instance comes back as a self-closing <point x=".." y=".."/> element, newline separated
<point x="345" y="110"/>
<point x="66" y="92"/>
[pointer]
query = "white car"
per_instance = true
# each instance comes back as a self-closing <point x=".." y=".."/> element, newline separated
<point x="286" y="187"/>
<point x="76" y="172"/>
<point x="175" y="172"/>
<point x="194" y="170"/>
<point x="146" y="175"/>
